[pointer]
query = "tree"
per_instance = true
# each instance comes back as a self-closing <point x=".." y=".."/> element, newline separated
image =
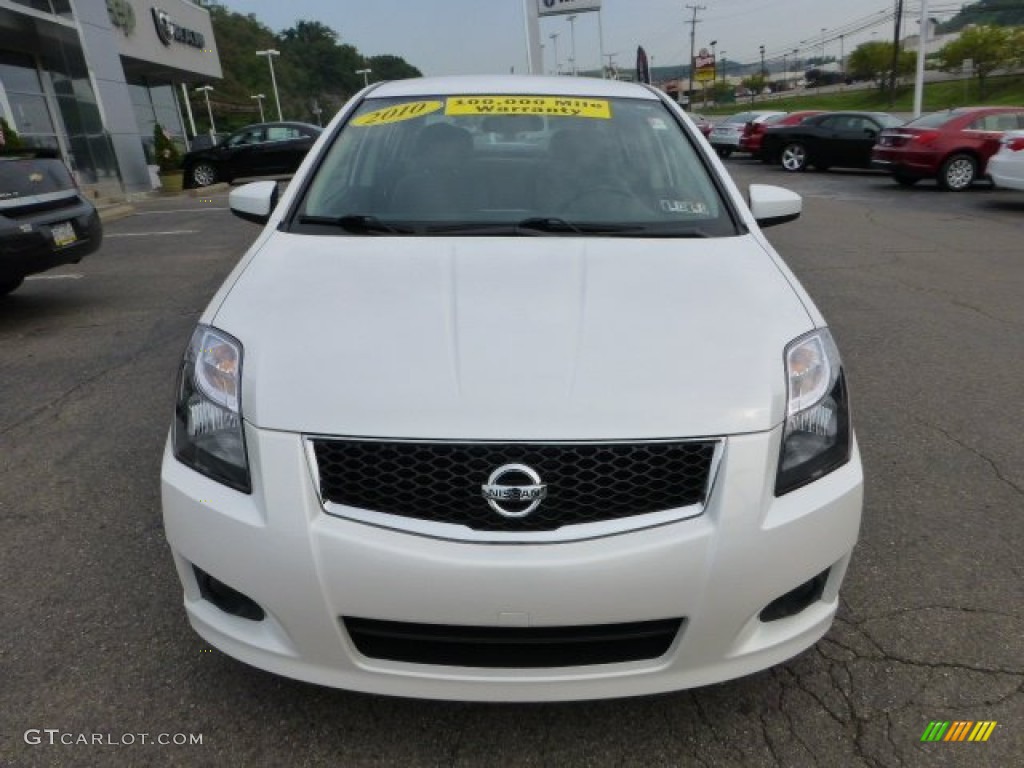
<point x="989" y="48"/>
<point x="388" y="67"/>
<point x="873" y="61"/>
<point x="9" y="139"/>
<point x="754" y="84"/>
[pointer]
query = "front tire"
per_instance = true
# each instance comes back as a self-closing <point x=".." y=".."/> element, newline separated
<point x="203" y="174"/>
<point x="724" y="152"/>
<point x="794" y="157"/>
<point x="958" y="173"/>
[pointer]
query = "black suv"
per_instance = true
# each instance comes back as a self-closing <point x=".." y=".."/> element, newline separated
<point x="44" y="219"/>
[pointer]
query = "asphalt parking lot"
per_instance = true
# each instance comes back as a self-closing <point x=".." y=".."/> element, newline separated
<point x="923" y="291"/>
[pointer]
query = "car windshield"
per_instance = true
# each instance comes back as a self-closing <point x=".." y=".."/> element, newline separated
<point x="888" y="121"/>
<point x="934" y="120"/>
<point x="29" y="176"/>
<point x="523" y="165"/>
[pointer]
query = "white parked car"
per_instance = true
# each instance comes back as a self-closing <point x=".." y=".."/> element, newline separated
<point x="1006" y="166"/>
<point x="542" y="418"/>
<point x="726" y="134"/>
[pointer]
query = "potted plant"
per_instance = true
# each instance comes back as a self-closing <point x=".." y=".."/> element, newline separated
<point x="168" y="158"/>
<point x="9" y="139"/>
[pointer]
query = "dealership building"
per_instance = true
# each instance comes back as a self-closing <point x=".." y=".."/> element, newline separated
<point x="92" y="78"/>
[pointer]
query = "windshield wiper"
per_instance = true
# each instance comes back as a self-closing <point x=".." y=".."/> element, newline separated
<point x="532" y="227"/>
<point x="549" y="224"/>
<point x="362" y="224"/>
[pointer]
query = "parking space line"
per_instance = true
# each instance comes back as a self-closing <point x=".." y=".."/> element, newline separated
<point x="152" y="234"/>
<point x="69" y="276"/>
<point x="184" y="210"/>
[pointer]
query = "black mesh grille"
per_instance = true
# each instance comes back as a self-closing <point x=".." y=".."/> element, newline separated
<point x="512" y="647"/>
<point x="441" y="482"/>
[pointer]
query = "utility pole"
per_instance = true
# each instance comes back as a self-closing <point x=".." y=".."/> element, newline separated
<point x="895" y="51"/>
<point x="613" y="73"/>
<point x="693" y="34"/>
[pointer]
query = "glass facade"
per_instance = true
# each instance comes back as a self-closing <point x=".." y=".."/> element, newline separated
<point x="155" y="104"/>
<point x="99" y="114"/>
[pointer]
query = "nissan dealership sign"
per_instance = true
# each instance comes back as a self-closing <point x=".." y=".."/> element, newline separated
<point x="555" y="7"/>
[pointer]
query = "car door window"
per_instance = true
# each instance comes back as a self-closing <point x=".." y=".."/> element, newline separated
<point x="283" y="133"/>
<point x="247" y="137"/>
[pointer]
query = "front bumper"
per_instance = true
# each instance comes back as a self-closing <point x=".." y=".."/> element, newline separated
<point x="307" y="569"/>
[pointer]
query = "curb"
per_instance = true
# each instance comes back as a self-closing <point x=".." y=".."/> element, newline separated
<point x="221" y="186"/>
<point x="111" y="213"/>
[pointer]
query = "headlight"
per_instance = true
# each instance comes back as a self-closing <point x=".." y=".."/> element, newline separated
<point x="816" y="438"/>
<point x="208" y="431"/>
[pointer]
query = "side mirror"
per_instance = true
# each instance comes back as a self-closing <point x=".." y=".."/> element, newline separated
<point x="255" y="201"/>
<point x="774" y="205"/>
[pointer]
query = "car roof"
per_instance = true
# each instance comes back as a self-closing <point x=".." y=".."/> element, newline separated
<point x="512" y="84"/>
<point x="277" y="122"/>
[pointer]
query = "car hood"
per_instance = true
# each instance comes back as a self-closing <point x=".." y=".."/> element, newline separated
<point x="513" y="338"/>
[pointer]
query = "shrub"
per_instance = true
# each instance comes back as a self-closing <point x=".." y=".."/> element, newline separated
<point x="167" y="155"/>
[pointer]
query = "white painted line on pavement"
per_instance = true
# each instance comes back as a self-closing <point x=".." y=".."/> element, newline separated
<point x="151" y="234"/>
<point x="183" y="210"/>
<point x="71" y="276"/>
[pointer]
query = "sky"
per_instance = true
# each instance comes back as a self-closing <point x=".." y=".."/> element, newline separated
<point x="446" y="37"/>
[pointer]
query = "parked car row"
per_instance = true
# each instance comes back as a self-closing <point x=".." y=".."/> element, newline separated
<point x="955" y="147"/>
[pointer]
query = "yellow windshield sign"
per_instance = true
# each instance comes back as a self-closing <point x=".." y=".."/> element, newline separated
<point x="556" y="106"/>
<point x="399" y="112"/>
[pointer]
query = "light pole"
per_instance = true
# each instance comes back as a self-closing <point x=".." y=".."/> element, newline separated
<point x="785" y="71"/>
<point x="723" y="66"/>
<point x="554" y="42"/>
<point x="205" y="90"/>
<point x="366" y="76"/>
<point x="764" y="74"/>
<point x="260" y="97"/>
<point x="796" y="65"/>
<point x="821" y="67"/>
<point x="270" y="53"/>
<point x="842" y="57"/>
<point x="572" y="43"/>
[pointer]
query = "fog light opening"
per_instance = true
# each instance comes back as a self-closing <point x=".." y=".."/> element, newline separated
<point x="229" y="600"/>
<point x="794" y="601"/>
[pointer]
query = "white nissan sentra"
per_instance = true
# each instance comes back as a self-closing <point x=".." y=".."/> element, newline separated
<point x="512" y="400"/>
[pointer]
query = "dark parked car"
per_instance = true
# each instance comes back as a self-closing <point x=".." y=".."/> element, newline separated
<point x="841" y="139"/>
<point x="753" y="132"/>
<point x="952" y="147"/>
<point x="264" y="149"/>
<point x="44" y="219"/>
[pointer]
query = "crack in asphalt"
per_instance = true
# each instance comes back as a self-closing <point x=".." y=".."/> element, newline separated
<point x="957" y="441"/>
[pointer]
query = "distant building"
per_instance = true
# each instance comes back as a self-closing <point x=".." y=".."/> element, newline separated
<point x="91" y="78"/>
<point x="933" y="41"/>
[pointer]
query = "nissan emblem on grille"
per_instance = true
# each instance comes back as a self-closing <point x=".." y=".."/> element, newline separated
<point x="520" y="494"/>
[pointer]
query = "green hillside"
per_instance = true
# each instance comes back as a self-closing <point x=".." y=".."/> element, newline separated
<point x="1005" y="13"/>
<point x="316" y="69"/>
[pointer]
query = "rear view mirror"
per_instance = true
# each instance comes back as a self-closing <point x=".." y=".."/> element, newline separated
<point x="774" y="205"/>
<point x="510" y="124"/>
<point x="255" y="201"/>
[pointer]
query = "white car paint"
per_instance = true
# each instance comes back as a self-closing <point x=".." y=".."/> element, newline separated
<point x="500" y="339"/>
<point x="1006" y="167"/>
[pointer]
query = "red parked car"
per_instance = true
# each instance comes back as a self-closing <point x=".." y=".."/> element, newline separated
<point x="952" y="147"/>
<point x="753" y="132"/>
